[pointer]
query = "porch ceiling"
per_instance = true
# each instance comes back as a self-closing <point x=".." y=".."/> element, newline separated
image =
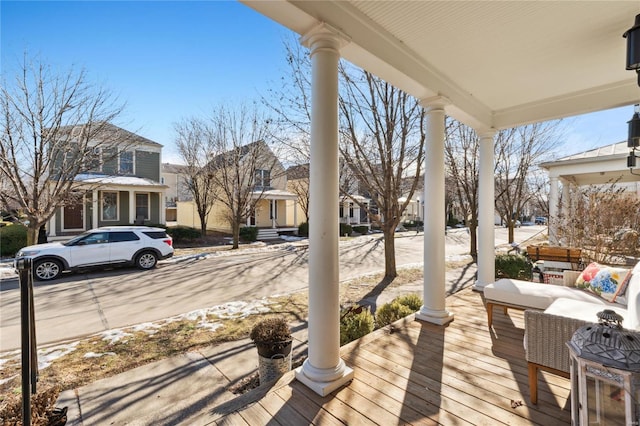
<point x="501" y="64"/>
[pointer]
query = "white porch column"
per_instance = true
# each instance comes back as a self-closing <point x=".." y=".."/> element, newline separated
<point x="323" y="371"/>
<point x="94" y="210"/>
<point x="295" y="212"/>
<point x="163" y="208"/>
<point x="132" y="207"/>
<point x="553" y="210"/>
<point x="566" y="194"/>
<point x="434" y="309"/>
<point x="52" y="226"/>
<point x="486" y="212"/>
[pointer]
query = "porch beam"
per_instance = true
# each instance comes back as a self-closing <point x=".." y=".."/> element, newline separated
<point x="323" y="371"/>
<point x="434" y="309"/>
<point x="486" y="211"/>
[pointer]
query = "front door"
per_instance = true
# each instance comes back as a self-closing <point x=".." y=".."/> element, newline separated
<point x="73" y="216"/>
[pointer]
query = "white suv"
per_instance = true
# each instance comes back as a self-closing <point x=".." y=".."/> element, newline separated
<point x="138" y="245"/>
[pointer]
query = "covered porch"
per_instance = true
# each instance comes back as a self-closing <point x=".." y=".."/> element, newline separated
<point x="420" y="373"/>
<point x="489" y="65"/>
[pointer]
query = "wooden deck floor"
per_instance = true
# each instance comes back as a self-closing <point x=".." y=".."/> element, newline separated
<point x="420" y="373"/>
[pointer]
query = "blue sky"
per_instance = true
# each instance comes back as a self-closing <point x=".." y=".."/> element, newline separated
<point x="169" y="60"/>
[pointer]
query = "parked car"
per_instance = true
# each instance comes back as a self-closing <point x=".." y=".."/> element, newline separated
<point x="541" y="220"/>
<point x="141" y="246"/>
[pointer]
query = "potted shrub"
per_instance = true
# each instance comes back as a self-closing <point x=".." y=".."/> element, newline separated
<point x="273" y="340"/>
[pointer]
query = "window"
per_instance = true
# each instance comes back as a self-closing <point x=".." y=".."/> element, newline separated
<point x="142" y="206"/>
<point x="263" y="178"/>
<point x="95" y="238"/>
<point x="350" y="209"/>
<point x="156" y="235"/>
<point x="118" y="237"/>
<point x="109" y="206"/>
<point x="126" y="163"/>
<point x="94" y="159"/>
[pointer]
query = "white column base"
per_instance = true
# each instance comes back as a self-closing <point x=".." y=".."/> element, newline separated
<point x="479" y="286"/>
<point x="434" y="317"/>
<point x="324" y="381"/>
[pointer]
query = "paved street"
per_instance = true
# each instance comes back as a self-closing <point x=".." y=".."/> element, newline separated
<point x="86" y="303"/>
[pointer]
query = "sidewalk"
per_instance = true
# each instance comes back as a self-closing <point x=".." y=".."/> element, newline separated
<point x="187" y="388"/>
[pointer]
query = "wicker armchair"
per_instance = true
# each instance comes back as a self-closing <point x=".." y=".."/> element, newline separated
<point x="545" y="345"/>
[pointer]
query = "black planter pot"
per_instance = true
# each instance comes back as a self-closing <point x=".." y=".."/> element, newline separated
<point x="269" y="349"/>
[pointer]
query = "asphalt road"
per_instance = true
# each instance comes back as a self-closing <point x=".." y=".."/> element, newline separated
<point x="81" y="304"/>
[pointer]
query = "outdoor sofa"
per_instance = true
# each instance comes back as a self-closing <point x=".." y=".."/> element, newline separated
<point x="554" y="312"/>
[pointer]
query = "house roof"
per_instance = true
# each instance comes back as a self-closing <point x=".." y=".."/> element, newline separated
<point x="300" y="171"/>
<point x="500" y="64"/>
<point x="619" y="149"/>
<point x="108" y="180"/>
<point x="173" y="168"/>
<point x="110" y="129"/>
<point x="275" y="194"/>
<point x="595" y="166"/>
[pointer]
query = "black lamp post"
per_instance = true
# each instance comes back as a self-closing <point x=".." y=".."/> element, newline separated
<point x="633" y="47"/>
<point x="633" y="142"/>
<point x="633" y="63"/>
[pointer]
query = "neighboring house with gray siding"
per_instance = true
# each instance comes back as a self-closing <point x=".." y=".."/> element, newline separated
<point x="122" y="187"/>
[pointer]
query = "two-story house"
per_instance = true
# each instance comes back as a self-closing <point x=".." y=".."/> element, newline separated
<point x="350" y="207"/>
<point x="174" y="177"/>
<point x="273" y="206"/>
<point x="121" y="187"/>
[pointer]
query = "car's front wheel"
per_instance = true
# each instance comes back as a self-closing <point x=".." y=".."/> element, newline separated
<point x="47" y="269"/>
<point x="146" y="260"/>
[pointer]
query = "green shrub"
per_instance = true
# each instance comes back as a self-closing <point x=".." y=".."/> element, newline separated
<point x="303" y="229"/>
<point x="413" y="301"/>
<point x="184" y="233"/>
<point x="355" y="322"/>
<point x="391" y="312"/>
<point x="361" y="229"/>
<point x="411" y="224"/>
<point x="249" y="233"/>
<point x="513" y="266"/>
<point x="345" y="229"/>
<point x="12" y="238"/>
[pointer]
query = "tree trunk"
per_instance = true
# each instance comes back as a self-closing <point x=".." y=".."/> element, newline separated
<point x="473" y="240"/>
<point x="390" y="271"/>
<point x="203" y="225"/>
<point x="32" y="233"/>
<point x="511" y="233"/>
<point x="236" y="235"/>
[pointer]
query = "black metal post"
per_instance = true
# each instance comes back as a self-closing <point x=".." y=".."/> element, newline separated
<point x="24" y="271"/>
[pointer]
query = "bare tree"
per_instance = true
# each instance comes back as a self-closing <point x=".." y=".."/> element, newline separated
<point x="462" y="147"/>
<point x="52" y="129"/>
<point x="606" y="238"/>
<point x="381" y="140"/>
<point x="196" y="147"/>
<point x="244" y="166"/>
<point x="382" y="144"/>
<point x="298" y="183"/>
<point x="518" y="151"/>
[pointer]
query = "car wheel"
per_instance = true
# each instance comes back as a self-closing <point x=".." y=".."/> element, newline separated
<point x="45" y="270"/>
<point x="146" y="260"/>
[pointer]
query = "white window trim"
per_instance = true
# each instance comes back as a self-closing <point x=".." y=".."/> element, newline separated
<point x="148" y="205"/>
<point x="133" y="162"/>
<point x="102" y="218"/>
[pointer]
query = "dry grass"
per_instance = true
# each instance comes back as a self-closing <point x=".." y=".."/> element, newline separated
<point x="74" y="369"/>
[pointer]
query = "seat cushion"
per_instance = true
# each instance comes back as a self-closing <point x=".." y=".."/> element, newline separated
<point x="534" y="295"/>
<point x="584" y="311"/>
